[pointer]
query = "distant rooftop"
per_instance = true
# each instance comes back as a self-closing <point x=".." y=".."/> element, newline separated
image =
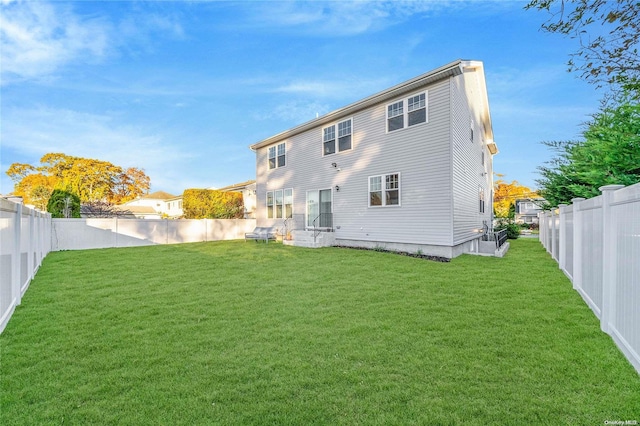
<point x="237" y="186"/>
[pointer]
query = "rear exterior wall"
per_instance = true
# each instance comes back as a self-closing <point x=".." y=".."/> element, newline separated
<point x="420" y="154"/>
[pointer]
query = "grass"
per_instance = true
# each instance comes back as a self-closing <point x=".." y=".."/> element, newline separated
<point x="248" y="333"/>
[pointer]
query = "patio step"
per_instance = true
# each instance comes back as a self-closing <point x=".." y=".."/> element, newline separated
<point x="306" y="239"/>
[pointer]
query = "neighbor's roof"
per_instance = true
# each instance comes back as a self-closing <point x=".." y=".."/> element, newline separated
<point x="450" y="70"/>
<point x="236" y="187"/>
<point x="137" y="209"/>
<point x="159" y="195"/>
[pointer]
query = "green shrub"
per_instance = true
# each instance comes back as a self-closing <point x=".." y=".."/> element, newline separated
<point x="513" y="230"/>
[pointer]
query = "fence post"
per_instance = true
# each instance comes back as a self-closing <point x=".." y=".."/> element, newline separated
<point x="16" y="256"/>
<point x="31" y="246"/>
<point x="609" y="254"/>
<point x="562" y="235"/>
<point x="577" y="242"/>
<point x="554" y="234"/>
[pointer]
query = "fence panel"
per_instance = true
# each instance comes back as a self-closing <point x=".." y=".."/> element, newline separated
<point x="600" y="252"/>
<point x="568" y="242"/>
<point x="81" y="234"/>
<point x="625" y="324"/>
<point x="26" y="239"/>
<point x="591" y="253"/>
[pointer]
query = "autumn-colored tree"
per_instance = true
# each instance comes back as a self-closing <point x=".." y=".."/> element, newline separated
<point x="128" y="185"/>
<point x="505" y="195"/>
<point x="90" y="179"/>
<point x="35" y="189"/>
<point x="212" y="204"/>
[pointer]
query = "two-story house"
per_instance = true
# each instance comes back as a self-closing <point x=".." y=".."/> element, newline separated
<point x="527" y="210"/>
<point x="409" y="168"/>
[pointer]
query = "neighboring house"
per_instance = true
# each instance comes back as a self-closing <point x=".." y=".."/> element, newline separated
<point x="527" y="209"/>
<point x="156" y="205"/>
<point x="248" y="190"/>
<point x="409" y="168"/>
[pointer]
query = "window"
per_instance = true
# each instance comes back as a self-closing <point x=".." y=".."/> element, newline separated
<point x="417" y="109"/>
<point x="344" y="135"/>
<point x="395" y="116"/>
<point x="277" y="156"/>
<point x="384" y="190"/>
<point x="329" y="137"/>
<point x="481" y="197"/>
<point x="270" y="205"/>
<point x="407" y="112"/>
<point x="280" y="204"/>
<point x="329" y="140"/>
<point x="288" y="203"/>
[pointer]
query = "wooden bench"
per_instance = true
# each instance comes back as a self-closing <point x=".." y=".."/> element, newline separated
<point x="261" y="233"/>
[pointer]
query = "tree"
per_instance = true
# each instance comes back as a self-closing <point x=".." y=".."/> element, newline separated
<point x="64" y="204"/>
<point x="608" y="32"/>
<point x="35" y="189"/>
<point x="609" y="154"/>
<point x="505" y="195"/>
<point x="130" y="184"/>
<point x="212" y="204"/>
<point x="92" y="180"/>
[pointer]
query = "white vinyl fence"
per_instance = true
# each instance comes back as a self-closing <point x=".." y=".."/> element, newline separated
<point x="80" y="234"/>
<point x="597" y="244"/>
<point x="25" y="237"/>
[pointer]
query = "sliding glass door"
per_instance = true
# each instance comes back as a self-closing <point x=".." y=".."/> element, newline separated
<point x="319" y="209"/>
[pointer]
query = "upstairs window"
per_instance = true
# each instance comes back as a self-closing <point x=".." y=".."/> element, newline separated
<point x="471" y="132"/>
<point x="481" y="198"/>
<point x="329" y="137"/>
<point x="277" y="156"/>
<point x="417" y="109"/>
<point x="344" y="135"/>
<point x="384" y="190"/>
<point x="329" y="140"/>
<point x="407" y="112"/>
<point x="395" y="116"/>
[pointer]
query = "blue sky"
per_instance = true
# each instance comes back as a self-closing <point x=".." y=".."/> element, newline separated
<point x="181" y="89"/>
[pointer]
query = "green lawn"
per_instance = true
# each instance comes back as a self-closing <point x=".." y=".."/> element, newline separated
<point x="248" y="333"/>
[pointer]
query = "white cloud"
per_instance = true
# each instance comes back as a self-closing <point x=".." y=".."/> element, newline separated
<point x="342" y="18"/>
<point x="34" y="132"/>
<point x="294" y="112"/>
<point x="347" y="88"/>
<point x="38" y="38"/>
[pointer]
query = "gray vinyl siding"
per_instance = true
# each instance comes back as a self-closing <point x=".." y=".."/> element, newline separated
<point x="420" y="154"/>
<point x="468" y="170"/>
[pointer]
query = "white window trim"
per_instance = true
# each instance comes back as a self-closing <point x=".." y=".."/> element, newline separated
<point x="405" y="111"/>
<point x="383" y="189"/>
<point x="275" y="147"/>
<point x="336" y="136"/>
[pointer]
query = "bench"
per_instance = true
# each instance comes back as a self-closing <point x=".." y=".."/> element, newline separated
<point x="261" y="233"/>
